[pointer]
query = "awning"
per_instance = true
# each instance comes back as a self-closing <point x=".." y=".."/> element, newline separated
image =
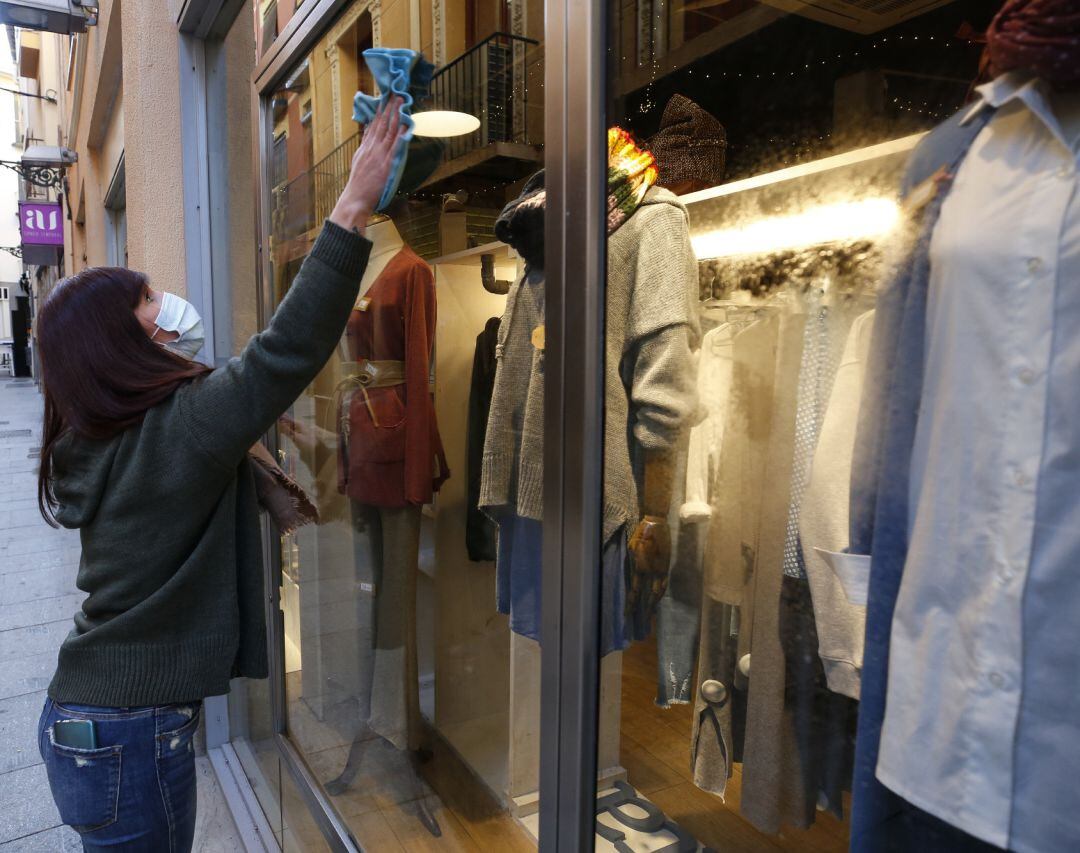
<point x="54" y="16"/>
<point x="48" y="155"/>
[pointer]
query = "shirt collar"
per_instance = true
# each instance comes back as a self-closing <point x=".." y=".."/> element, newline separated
<point x="1025" y="88"/>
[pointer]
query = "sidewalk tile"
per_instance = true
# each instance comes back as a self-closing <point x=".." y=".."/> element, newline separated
<point x="33" y="640"/>
<point x="26" y="675"/>
<point x="59" y="839"/>
<point x="42" y="560"/>
<point x="19" y="545"/>
<point x="39" y="611"/>
<point x="25" y="806"/>
<point x="18" y="731"/>
<point x="37" y="583"/>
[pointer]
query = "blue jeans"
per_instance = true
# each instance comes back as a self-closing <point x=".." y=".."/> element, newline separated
<point x="136" y="791"/>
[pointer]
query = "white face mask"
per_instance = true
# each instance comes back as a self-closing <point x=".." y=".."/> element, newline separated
<point x="178" y="315"/>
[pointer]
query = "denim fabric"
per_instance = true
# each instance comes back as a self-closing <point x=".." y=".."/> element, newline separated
<point x="401" y="72"/>
<point x="136" y="791"/>
<point x="880" y="476"/>
<point x="518" y="573"/>
<point x="678" y="619"/>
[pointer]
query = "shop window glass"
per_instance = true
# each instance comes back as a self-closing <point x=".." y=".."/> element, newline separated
<point x="755" y="161"/>
<point x="272" y="18"/>
<point x="408" y="696"/>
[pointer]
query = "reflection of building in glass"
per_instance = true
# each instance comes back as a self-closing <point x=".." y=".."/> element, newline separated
<point x="494" y="72"/>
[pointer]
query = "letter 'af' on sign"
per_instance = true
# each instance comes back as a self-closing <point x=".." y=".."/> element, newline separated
<point x="41" y="225"/>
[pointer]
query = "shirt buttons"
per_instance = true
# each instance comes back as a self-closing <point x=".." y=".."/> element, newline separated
<point x="1026" y="375"/>
<point x="997" y="680"/>
<point x="1021" y="479"/>
<point x="1034" y="265"/>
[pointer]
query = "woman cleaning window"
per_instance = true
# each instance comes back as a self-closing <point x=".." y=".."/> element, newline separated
<point x="146" y="454"/>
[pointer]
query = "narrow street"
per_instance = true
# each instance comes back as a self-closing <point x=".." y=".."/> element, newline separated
<point x="38" y="596"/>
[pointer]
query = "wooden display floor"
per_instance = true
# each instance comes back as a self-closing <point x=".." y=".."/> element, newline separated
<point x="656" y="754"/>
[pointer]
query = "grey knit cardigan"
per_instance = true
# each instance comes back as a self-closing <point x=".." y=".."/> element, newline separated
<point x="652" y="333"/>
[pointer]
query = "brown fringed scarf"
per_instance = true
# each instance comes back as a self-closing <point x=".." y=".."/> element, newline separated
<point x="280" y="495"/>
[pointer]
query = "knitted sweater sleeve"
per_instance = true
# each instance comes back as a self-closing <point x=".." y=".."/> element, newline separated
<point x="662" y="390"/>
<point x="662" y="331"/>
<point x="228" y="410"/>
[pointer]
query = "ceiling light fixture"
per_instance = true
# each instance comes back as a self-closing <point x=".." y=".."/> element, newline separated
<point x="444" y="123"/>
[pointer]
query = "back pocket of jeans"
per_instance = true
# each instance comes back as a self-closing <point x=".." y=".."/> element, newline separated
<point x="85" y="784"/>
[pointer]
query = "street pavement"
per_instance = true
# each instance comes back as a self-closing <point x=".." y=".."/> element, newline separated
<point x="37" y="600"/>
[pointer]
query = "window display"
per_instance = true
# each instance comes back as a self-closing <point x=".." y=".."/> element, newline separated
<point x="749" y="712"/>
<point x="404" y="693"/>
<point x="833" y="529"/>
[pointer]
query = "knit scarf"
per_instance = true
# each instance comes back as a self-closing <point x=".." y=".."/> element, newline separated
<point x="1042" y="36"/>
<point x="631" y="171"/>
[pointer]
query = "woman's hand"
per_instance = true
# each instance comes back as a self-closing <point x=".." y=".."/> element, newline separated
<point x="307" y="436"/>
<point x="370" y="168"/>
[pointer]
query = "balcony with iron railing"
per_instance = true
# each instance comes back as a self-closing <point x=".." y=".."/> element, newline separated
<point x="498" y="81"/>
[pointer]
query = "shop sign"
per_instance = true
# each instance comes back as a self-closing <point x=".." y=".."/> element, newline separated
<point x="41" y="223"/>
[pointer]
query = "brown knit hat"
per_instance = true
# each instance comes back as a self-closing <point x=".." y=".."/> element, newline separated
<point x="689" y="146"/>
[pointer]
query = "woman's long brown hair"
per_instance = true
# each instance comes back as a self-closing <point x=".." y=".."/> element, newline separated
<point x="100" y="370"/>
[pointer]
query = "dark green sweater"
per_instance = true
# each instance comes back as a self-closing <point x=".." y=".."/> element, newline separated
<point x="166" y="511"/>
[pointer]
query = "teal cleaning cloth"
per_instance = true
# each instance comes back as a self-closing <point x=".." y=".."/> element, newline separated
<point x="401" y="72"/>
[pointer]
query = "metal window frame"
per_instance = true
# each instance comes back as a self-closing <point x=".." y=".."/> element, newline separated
<point x="201" y="28"/>
<point x="575" y="160"/>
<point x="574" y="410"/>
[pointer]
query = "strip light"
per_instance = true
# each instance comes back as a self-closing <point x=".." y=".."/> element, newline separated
<point x="845" y="221"/>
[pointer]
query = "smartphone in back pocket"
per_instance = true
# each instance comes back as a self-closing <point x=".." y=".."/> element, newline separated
<point x="77" y="733"/>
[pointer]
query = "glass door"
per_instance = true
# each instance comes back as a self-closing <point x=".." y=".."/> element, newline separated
<point x="755" y="151"/>
<point x="408" y="635"/>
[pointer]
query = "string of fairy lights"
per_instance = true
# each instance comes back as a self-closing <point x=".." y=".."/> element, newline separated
<point x="924" y="109"/>
<point x="815" y="65"/>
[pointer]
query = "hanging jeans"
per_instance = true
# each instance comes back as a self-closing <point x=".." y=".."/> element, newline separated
<point x="135" y="791"/>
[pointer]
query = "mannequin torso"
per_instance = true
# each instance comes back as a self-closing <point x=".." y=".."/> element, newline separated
<point x="387" y="242"/>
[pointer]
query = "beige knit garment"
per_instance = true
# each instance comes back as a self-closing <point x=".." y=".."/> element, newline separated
<point x="651" y="332"/>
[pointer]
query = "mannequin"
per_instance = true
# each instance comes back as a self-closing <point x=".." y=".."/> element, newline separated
<point x="1011" y="157"/>
<point x="387" y="242"/>
<point x="389" y="449"/>
<point x="650" y="321"/>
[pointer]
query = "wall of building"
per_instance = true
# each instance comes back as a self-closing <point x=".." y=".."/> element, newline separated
<point x="96" y="124"/>
<point x="153" y="154"/>
<point x="10" y="266"/>
<point x="10" y="149"/>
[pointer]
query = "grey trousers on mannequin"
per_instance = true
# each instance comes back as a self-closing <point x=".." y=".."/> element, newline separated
<point x="387" y="550"/>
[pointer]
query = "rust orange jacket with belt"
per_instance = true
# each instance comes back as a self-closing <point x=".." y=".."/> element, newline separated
<point x="393" y="455"/>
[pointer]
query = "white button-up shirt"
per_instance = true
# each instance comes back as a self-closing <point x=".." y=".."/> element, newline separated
<point x="982" y="718"/>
